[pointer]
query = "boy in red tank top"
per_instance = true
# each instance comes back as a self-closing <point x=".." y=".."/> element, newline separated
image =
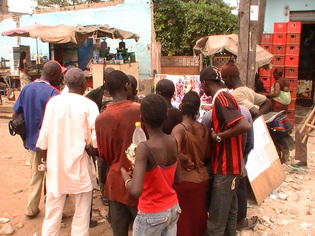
<point x="156" y="169"/>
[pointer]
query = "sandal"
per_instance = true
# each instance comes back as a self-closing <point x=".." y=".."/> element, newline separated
<point x="247" y="223"/>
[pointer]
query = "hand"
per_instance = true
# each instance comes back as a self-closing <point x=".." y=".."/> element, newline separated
<point x="213" y="134"/>
<point x="186" y="162"/>
<point x="125" y="175"/>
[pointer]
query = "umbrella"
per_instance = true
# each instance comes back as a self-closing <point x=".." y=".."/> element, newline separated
<point x="55" y="34"/>
<point x="211" y="45"/>
<point x="23" y="31"/>
<point x="100" y="31"/>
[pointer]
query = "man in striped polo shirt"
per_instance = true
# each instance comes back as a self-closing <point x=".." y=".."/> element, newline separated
<point x="227" y="133"/>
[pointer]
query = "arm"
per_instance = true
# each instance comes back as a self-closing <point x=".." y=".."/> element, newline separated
<point x="241" y="127"/>
<point x="135" y="184"/>
<point x="275" y="92"/>
<point x="265" y="107"/>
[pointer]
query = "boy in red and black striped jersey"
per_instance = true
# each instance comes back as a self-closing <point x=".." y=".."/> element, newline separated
<point x="229" y="125"/>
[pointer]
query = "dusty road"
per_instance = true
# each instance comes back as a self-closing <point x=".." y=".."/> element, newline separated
<point x="294" y="214"/>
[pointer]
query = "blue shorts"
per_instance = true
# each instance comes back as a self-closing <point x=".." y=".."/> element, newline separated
<point x="156" y="224"/>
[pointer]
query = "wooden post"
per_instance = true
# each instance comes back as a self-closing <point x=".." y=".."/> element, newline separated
<point x="248" y="39"/>
<point x="253" y="40"/>
<point x="261" y="19"/>
<point x="243" y="39"/>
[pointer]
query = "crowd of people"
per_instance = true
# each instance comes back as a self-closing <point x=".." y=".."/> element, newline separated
<point x="189" y="177"/>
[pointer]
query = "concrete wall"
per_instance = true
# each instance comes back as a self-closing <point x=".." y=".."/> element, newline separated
<point x="131" y="15"/>
<point x="275" y="11"/>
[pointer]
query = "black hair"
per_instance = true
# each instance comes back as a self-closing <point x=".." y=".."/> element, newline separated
<point x="133" y="82"/>
<point x="22" y="57"/>
<point x="190" y="104"/>
<point x="166" y="88"/>
<point x="153" y="110"/>
<point x="116" y="80"/>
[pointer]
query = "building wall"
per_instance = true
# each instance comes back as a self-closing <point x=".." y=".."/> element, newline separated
<point x="130" y="15"/>
<point x="275" y="11"/>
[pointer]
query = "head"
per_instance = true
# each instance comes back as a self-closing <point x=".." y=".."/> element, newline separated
<point x="75" y="81"/>
<point x="230" y="74"/>
<point x="277" y="73"/>
<point x="107" y="71"/>
<point x="118" y="83"/>
<point x="211" y="80"/>
<point x="153" y="110"/>
<point x="22" y="55"/>
<point x="52" y="71"/>
<point x="190" y="104"/>
<point x="165" y="88"/>
<point x="134" y="85"/>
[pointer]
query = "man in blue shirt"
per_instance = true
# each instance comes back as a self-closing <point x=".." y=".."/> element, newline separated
<point x="32" y="102"/>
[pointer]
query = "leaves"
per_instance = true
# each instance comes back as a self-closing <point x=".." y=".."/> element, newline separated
<point x="180" y="23"/>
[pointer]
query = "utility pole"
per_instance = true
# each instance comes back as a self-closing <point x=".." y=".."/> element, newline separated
<point x="249" y="32"/>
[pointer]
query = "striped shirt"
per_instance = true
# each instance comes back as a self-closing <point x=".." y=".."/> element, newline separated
<point x="227" y="155"/>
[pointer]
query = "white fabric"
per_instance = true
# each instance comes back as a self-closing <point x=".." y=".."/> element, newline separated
<point x="66" y="130"/>
<point x="81" y="217"/>
<point x="213" y="44"/>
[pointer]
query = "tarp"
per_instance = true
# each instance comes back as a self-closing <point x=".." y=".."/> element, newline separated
<point x="65" y="33"/>
<point x="23" y="31"/>
<point x="55" y="34"/>
<point x="211" y="45"/>
<point x="100" y="31"/>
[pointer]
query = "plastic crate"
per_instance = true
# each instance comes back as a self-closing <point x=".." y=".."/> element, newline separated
<point x="292" y="121"/>
<point x="265" y="80"/>
<point x="293" y="93"/>
<point x="291" y="61"/>
<point x="291" y="72"/>
<point x="292" y="50"/>
<point x="266" y="38"/>
<point x="279" y="38"/>
<point x="267" y="89"/>
<point x="293" y="83"/>
<point x="294" y="27"/>
<point x="263" y="72"/>
<point x="279" y="50"/>
<point x="291" y="114"/>
<point x="280" y="27"/>
<point x="293" y="38"/>
<point x="292" y="105"/>
<point x="278" y="61"/>
<point x="267" y="47"/>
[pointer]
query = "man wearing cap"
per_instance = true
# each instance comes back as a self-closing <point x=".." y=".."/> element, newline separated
<point x="32" y="102"/>
<point x="228" y="127"/>
<point x="67" y="129"/>
<point x="244" y="95"/>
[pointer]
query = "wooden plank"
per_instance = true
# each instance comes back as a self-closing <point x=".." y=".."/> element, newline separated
<point x="265" y="171"/>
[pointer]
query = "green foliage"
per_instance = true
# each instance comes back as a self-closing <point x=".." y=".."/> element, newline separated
<point x="180" y="23"/>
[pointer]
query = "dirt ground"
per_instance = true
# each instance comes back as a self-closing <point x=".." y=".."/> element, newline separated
<point x="290" y="210"/>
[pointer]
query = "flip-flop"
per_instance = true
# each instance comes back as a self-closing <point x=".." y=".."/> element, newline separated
<point x="296" y="167"/>
<point x="250" y="223"/>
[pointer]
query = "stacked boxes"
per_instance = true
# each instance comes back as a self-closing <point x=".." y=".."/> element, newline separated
<point x="284" y="43"/>
<point x="292" y="62"/>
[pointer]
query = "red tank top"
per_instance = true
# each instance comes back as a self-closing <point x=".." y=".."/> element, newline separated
<point x="158" y="193"/>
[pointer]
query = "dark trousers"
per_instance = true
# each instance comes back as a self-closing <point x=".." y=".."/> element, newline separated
<point x="121" y="216"/>
<point x="242" y="199"/>
<point x="223" y="206"/>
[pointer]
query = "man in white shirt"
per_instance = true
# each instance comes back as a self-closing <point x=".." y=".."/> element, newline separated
<point x="68" y="127"/>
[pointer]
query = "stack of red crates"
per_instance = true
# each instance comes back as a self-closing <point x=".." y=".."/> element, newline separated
<point x="284" y="44"/>
<point x="292" y="62"/>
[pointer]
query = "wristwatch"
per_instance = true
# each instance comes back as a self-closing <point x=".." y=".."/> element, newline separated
<point x="218" y="138"/>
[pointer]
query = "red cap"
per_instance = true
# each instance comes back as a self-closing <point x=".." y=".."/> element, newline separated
<point x="63" y="69"/>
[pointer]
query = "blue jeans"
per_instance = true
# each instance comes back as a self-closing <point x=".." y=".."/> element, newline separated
<point x="162" y="223"/>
